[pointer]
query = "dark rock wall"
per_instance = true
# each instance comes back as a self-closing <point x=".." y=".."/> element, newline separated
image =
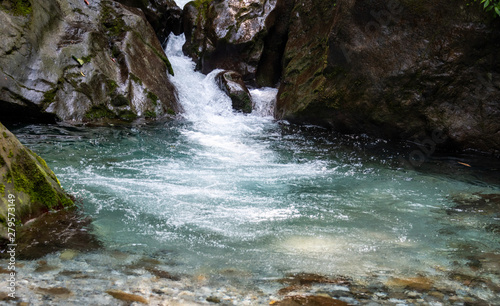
<point x="395" y="68"/>
<point x="71" y="61"/>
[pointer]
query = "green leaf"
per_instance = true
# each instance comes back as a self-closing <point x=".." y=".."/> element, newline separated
<point x="486" y="3"/>
<point x="497" y="10"/>
<point x="78" y="60"/>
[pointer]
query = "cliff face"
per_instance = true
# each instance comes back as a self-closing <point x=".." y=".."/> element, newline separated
<point x="396" y="68"/>
<point x="72" y="61"/>
<point x="27" y="181"/>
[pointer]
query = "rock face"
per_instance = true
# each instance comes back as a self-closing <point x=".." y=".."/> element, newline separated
<point x="227" y="34"/>
<point x="395" y="68"/>
<point x="27" y="181"/>
<point x="71" y="61"/>
<point x="163" y="15"/>
<point x="232" y="84"/>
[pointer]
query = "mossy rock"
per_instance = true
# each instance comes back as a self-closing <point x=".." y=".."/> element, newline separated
<point x="17" y="7"/>
<point x="26" y="179"/>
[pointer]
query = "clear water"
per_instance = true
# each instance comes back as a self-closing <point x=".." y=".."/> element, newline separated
<point x="216" y="190"/>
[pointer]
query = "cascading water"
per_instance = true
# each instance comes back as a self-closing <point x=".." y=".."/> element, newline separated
<point x="241" y="200"/>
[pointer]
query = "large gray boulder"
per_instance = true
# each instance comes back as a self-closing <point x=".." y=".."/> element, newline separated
<point x="72" y="61"/>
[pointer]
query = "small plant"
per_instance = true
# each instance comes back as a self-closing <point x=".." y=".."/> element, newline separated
<point x="491" y="5"/>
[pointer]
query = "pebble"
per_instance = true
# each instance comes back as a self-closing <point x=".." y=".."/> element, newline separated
<point x="68" y="255"/>
<point x="127" y="297"/>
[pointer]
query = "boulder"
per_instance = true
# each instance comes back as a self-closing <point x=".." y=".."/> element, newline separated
<point x="226" y="34"/>
<point x="28" y="187"/>
<point x="66" y="60"/>
<point x="232" y="84"/>
<point x="163" y="15"/>
<point x="395" y="69"/>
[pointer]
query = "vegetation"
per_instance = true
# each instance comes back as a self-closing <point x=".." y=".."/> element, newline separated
<point x="491" y="5"/>
<point x="17" y="7"/>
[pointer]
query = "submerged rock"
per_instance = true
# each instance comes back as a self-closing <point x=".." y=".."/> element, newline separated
<point x="127" y="297"/>
<point x="28" y="188"/>
<point x="395" y="69"/>
<point x="232" y="84"/>
<point x="71" y="61"/>
<point x="226" y="34"/>
<point x="311" y="300"/>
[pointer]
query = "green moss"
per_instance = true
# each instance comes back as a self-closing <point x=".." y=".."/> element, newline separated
<point x="113" y="25"/>
<point x="11" y="154"/>
<point x="5" y="135"/>
<point x="154" y="98"/>
<point x="2" y="161"/>
<point x="45" y="166"/>
<point x="135" y="78"/>
<point x="87" y="59"/>
<point x="112" y="86"/>
<point x="171" y="112"/>
<point x="127" y="115"/>
<point x="17" y="7"/>
<point x="32" y="179"/>
<point x="150" y="114"/>
<point x="49" y="96"/>
<point x="2" y="190"/>
<point x="99" y="112"/>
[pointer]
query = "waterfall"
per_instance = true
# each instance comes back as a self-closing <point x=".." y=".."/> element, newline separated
<point x="200" y="96"/>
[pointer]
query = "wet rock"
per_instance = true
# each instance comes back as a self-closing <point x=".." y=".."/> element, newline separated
<point x="213" y="299"/>
<point x="163" y="15"/>
<point x="232" y="84"/>
<point x="310" y="301"/>
<point x="227" y="34"/>
<point x="82" y="62"/>
<point x="487" y="204"/>
<point x="311" y="278"/>
<point x="56" y="231"/>
<point x="28" y="188"/>
<point x="127" y="297"/>
<point x="376" y="67"/>
<point x="163" y="274"/>
<point x="58" y="291"/>
<point x="68" y="254"/>
<point x="418" y="283"/>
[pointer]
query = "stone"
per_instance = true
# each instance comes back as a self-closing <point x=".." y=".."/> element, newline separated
<point x="56" y="232"/>
<point x="68" y="254"/>
<point x="27" y="182"/>
<point x="418" y="283"/>
<point x="309" y="301"/>
<point x="213" y="299"/>
<point x="59" y="291"/>
<point x="348" y="68"/>
<point x="163" y="15"/>
<point x="232" y="84"/>
<point x="127" y="297"/>
<point x="162" y="274"/>
<point x="227" y="34"/>
<point x="122" y="74"/>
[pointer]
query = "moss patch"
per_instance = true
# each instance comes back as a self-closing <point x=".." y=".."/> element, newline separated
<point x="135" y="78"/>
<point x="99" y="112"/>
<point x="113" y="24"/>
<point x="127" y="115"/>
<point x="31" y="178"/>
<point x="150" y="114"/>
<point x="154" y="98"/>
<point x="17" y="7"/>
